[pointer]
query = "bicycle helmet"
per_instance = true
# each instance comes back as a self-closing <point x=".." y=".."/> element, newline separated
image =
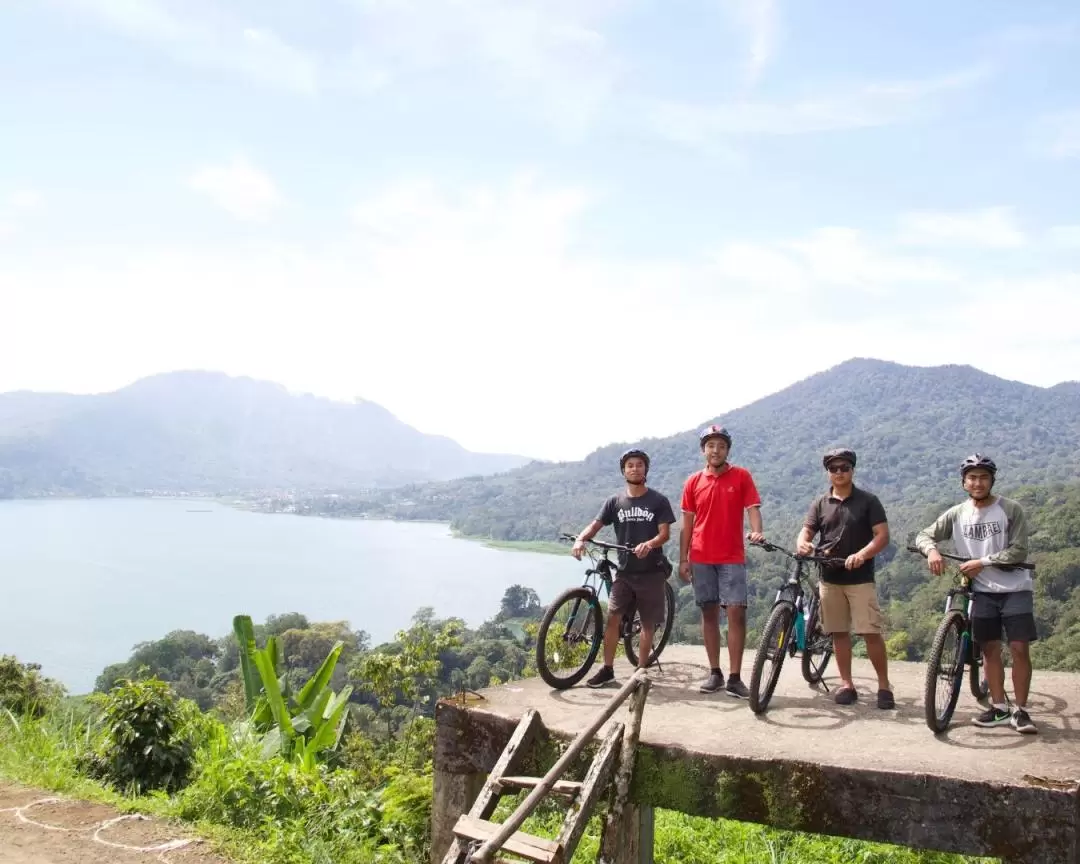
<point x="714" y="431"/>
<point x="839" y="453"/>
<point x="977" y="460"/>
<point x="634" y="452"/>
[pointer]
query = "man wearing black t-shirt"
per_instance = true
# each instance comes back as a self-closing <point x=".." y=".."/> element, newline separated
<point x="642" y="518"/>
<point x="853" y="526"/>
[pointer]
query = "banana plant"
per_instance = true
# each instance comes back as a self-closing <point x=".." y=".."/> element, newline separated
<point x="299" y="727"/>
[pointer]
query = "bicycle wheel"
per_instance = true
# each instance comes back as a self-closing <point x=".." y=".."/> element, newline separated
<point x="944" y="672"/>
<point x="661" y="632"/>
<point x="819" y="647"/>
<point x="569" y="636"/>
<point x="980" y="686"/>
<point x="774" y="642"/>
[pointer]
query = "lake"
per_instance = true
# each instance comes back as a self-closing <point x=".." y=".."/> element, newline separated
<point x="85" y="580"/>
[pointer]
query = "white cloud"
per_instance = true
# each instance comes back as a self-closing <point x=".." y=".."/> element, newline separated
<point x="1067" y="236"/>
<point x="25" y="199"/>
<point x="874" y="104"/>
<point x="549" y="55"/>
<point x="474" y="313"/>
<point x="760" y="20"/>
<point x="991" y="227"/>
<point x="1057" y="135"/>
<point x="15" y="207"/>
<point x="239" y="188"/>
<point x="203" y="34"/>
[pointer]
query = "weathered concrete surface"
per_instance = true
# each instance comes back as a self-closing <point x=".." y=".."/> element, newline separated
<point x="812" y="765"/>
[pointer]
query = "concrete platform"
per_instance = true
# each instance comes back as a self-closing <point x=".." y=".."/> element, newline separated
<point x="809" y="764"/>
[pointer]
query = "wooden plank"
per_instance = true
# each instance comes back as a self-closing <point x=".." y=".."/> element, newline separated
<point x="596" y="779"/>
<point x="562" y="787"/>
<point x="610" y="836"/>
<point x="484" y="854"/>
<point x="510" y="759"/>
<point x="528" y="846"/>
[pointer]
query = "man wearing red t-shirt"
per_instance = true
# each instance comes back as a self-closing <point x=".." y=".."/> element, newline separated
<point x="712" y="554"/>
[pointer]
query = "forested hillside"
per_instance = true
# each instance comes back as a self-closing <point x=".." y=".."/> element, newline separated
<point x="911" y="426"/>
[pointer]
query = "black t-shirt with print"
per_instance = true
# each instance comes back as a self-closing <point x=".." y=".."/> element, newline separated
<point x="637" y="520"/>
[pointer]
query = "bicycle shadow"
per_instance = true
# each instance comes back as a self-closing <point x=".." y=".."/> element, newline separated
<point x="671" y="684"/>
<point x="795" y="712"/>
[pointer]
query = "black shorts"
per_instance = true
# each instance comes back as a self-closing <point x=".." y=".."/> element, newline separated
<point x="646" y="591"/>
<point x="1013" y="611"/>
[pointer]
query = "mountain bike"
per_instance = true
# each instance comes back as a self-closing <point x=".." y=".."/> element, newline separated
<point x="572" y="629"/>
<point x="789" y="629"/>
<point x="956" y="623"/>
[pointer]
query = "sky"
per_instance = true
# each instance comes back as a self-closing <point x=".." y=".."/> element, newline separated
<point x="536" y="226"/>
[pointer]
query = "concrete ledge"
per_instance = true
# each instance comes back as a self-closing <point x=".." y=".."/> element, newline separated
<point x="813" y="766"/>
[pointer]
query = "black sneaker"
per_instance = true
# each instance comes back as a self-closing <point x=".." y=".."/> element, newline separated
<point x="714" y="682"/>
<point x="1021" y="722"/>
<point x="992" y="717"/>
<point x="605" y="676"/>
<point x="736" y="688"/>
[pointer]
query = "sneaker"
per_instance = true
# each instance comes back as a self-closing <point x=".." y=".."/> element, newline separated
<point x="885" y="700"/>
<point x="714" y="682"/>
<point x="845" y="696"/>
<point x="736" y="688"/>
<point x="992" y="717"/>
<point x="605" y="676"/>
<point x="1021" y="722"/>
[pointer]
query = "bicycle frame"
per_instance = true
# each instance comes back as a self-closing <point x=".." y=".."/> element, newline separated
<point x="794" y="585"/>
<point x="606" y="570"/>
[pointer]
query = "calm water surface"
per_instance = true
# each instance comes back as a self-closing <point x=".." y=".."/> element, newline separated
<point x="84" y="581"/>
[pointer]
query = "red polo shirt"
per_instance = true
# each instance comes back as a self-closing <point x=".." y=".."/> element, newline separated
<point x="718" y="502"/>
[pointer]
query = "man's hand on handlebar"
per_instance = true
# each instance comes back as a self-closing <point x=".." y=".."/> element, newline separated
<point x="755" y="537"/>
<point x="642" y="550"/>
<point x="935" y="562"/>
<point x="578" y="549"/>
<point x="805" y="547"/>
<point x="972" y="568"/>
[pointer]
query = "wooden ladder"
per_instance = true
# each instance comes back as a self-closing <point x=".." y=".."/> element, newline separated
<point x="477" y="839"/>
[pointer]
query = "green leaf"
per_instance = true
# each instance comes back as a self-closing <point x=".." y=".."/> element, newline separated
<point x="273" y="697"/>
<point x="245" y="637"/>
<point x="321" y="678"/>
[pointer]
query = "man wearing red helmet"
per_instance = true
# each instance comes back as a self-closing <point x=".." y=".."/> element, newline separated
<point x="990" y="529"/>
<point x="852" y="525"/>
<point x="642" y="518"/>
<point x="712" y="554"/>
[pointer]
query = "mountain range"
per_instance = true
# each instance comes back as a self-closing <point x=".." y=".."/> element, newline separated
<point x="209" y="432"/>
<point x="911" y="426"/>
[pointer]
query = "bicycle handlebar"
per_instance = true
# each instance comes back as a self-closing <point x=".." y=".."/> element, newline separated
<point x="794" y="556"/>
<point x="1023" y="565"/>
<point x="615" y="546"/>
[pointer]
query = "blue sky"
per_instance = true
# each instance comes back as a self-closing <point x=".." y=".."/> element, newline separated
<point x="480" y="214"/>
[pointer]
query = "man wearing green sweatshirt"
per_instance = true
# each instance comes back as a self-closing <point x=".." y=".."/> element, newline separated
<point x="990" y="530"/>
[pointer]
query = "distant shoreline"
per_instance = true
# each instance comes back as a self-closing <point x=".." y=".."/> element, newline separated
<point x="542" y="547"/>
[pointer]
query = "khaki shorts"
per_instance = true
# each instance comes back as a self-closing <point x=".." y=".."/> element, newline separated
<point x="851" y="609"/>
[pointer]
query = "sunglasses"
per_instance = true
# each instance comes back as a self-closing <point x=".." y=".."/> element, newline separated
<point x="839" y="469"/>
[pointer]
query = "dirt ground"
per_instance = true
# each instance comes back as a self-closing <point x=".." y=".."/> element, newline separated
<point x="39" y="827"/>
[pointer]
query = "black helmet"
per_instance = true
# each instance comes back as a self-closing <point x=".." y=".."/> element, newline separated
<point x="840" y="453"/>
<point x="714" y="431"/>
<point x="977" y="460"/>
<point x="634" y="452"/>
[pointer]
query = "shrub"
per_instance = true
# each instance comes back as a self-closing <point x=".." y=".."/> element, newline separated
<point x="148" y="740"/>
<point x="23" y="690"/>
